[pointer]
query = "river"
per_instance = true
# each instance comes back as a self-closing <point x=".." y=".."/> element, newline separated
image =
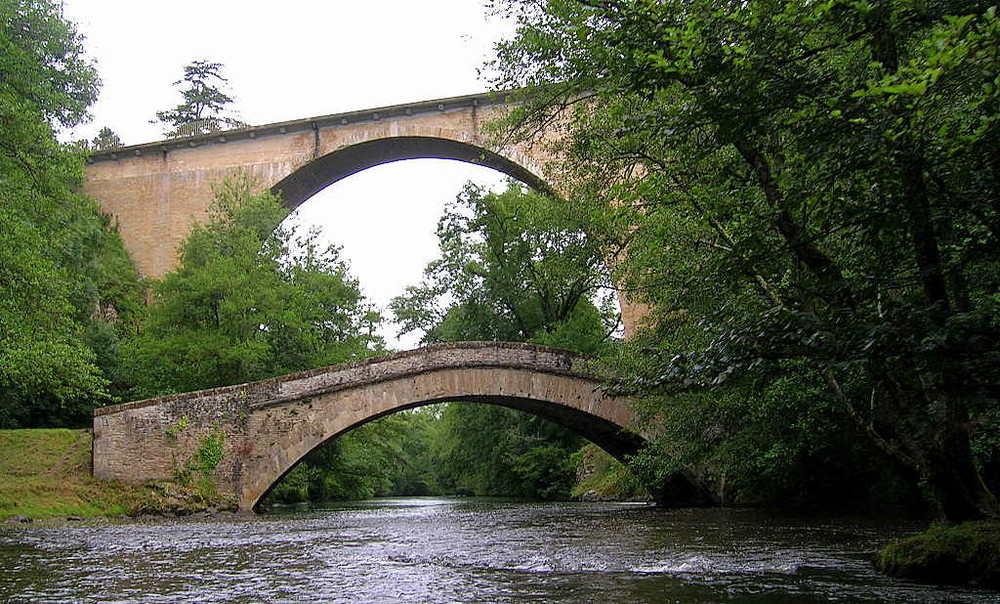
<point x="453" y="550"/>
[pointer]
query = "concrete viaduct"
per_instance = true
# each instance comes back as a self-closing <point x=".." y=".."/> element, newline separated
<point x="269" y="426"/>
<point x="157" y="190"/>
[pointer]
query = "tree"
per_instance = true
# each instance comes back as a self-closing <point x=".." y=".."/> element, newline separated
<point x="60" y="260"/>
<point x="46" y="76"/>
<point x="106" y="140"/>
<point x="201" y="112"/>
<point x="827" y="174"/>
<point x="515" y="266"/>
<point x="488" y="450"/>
<point x="250" y="300"/>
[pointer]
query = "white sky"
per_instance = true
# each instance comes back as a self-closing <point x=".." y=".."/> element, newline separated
<point x="303" y="58"/>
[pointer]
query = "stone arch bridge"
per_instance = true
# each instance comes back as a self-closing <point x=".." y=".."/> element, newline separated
<point x="269" y="426"/>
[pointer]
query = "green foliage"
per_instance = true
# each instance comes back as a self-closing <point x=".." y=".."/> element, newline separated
<point x="361" y="464"/>
<point x="203" y="104"/>
<point x="249" y="301"/>
<point x="774" y="439"/>
<point x="375" y="459"/>
<point x="414" y="473"/>
<point x="209" y="455"/>
<point x="64" y="277"/>
<point x="179" y="428"/>
<point x="46" y="76"/>
<point x="548" y="469"/>
<point x="801" y="187"/>
<point x="197" y="471"/>
<point x="486" y="450"/>
<point x="602" y="477"/>
<point x="515" y="266"/>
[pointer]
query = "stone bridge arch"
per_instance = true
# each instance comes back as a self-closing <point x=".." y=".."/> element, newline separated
<point x="270" y="425"/>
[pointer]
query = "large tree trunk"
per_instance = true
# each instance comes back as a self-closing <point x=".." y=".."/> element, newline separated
<point x="933" y="429"/>
<point x="957" y="489"/>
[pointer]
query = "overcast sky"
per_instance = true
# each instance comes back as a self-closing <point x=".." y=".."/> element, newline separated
<point x="302" y="58"/>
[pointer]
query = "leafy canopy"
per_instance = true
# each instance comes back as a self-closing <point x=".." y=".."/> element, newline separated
<point x="514" y="266"/>
<point x="60" y="261"/>
<point x="805" y="186"/>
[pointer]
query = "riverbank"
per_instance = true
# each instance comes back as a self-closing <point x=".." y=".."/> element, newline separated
<point x="966" y="554"/>
<point x="46" y="474"/>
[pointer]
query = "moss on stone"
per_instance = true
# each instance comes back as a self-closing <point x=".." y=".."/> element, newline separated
<point x="966" y="554"/>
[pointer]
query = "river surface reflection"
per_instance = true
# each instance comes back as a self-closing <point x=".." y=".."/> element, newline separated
<point x="455" y="550"/>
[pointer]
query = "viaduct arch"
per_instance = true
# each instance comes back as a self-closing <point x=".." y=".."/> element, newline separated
<point x="269" y="426"/>
<point x="156" y="191"/>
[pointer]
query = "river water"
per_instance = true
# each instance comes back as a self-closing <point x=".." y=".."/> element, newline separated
<point x="454" y="550"/>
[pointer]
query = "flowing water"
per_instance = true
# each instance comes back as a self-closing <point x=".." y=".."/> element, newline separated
<point x="454" y="550"/>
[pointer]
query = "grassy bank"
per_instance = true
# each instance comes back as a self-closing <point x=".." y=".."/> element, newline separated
<point x="47" y="474"/>
<point x="600" y="477"/>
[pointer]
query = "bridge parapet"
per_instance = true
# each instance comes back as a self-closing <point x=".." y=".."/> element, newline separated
<point x="324" y="380"/>
<point x="307" y="125"/>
